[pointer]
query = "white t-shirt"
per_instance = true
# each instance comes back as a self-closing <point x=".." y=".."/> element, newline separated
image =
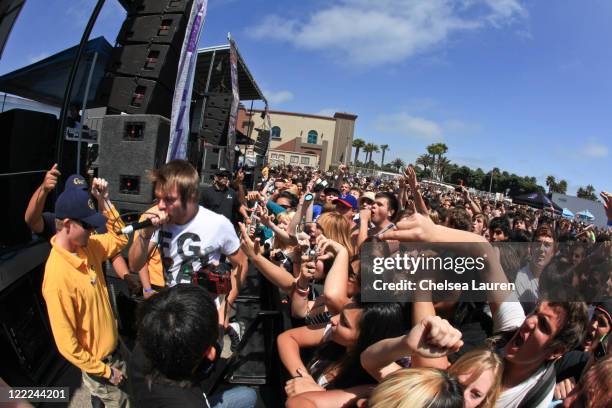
<point x="201" y="241"/>
<point x="527" y="286"/>
<point x="512" y="397"/>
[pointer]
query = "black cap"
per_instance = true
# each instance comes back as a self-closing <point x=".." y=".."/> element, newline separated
<point x="330" y="190"/>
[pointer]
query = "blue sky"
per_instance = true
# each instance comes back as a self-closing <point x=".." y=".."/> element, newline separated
<point x="520" y="85"/>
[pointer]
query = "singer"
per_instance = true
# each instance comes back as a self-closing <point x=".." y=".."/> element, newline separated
<point x="182" y="230"/>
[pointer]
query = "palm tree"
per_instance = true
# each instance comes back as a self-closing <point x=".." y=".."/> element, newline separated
<point x="398" y="164"/>
<point x="384" y="148"/>
<point x="562" y="187"/>
<point x="551" y="183"/>
<point x="437" y="149"/>
<point x="443" y="165"/>
<point x="426" y="161"/>
<point x="369" y="149"/>
<point x="358" y="144"/>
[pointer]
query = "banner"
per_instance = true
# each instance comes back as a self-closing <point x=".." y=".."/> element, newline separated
<point x="231" y="128"/>
<point x="181" y="102"/>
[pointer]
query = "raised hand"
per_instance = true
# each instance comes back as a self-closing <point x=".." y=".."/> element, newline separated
<point x="607" y="200"/>
<point x="99" y="189"/>
<point x="251" y="248"/>
<point x="50" y="181"/>
<point x="433" y="337"/>
<point x="411" y="178"/>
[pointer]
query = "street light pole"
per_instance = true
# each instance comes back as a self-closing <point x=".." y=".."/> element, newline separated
<point x="491" y="182"/>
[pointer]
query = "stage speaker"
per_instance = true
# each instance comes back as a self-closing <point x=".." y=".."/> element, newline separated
<point x="157" y="62"/>
<point x="141" y="74"/>
<point x="28" y="144"/>
<point x="28" y="348"/>
<point x="143" y="7"/>
<point x="135" y="95"/>
<point x="262" y="142"/>
<point x="166" y="29"/>
<point x="215" y="119"/>
<point x="130" y="145"/>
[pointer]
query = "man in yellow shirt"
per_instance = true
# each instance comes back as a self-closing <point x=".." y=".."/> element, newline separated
<point x="74" y="288"/>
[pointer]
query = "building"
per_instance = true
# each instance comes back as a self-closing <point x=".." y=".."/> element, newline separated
<point x="303" y="139"/>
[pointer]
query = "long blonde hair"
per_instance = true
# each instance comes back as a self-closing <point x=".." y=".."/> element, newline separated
<point x="417" y="388"/>
<point x="334" y="226"/>
<point x="475" y="363"/>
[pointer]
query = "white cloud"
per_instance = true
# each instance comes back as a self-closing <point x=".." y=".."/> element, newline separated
<point x="594" y="150"/>
<point x="403" y="124"/>
<point x="460" y="126"/>
<point x="277" y="98"/>
<point x="369" y="33"/>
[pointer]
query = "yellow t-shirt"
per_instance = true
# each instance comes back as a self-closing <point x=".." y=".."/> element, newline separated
<point x="74" y="288"/>
<point x="154" y="264"/>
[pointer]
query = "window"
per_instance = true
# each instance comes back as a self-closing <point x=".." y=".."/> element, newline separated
<point x="312" y="137"/>
<point x="294" y="159"/>
<point x="281" y="157"/>
<point x="306" y="161"/>
<point x="274" y="155"/>
<point x="276" y="132"/>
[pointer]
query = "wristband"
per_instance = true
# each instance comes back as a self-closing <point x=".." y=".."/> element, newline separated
<point x="147" y="290"/>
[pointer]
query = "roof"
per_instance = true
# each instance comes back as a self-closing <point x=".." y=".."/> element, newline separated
<point x="220" y="80"/>
<point x="306" y="115"/>
<point x="45" y="81"/>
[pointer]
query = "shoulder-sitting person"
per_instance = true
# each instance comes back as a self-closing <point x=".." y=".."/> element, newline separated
<point x="175" y="349"/>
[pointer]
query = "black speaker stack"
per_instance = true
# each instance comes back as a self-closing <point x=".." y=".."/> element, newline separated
<point x="29" y="145"/>
<point x="130" y="146"/>
<point x="142" y="71"/>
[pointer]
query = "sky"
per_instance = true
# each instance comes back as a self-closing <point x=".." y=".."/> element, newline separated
<point x="522" y="85"/>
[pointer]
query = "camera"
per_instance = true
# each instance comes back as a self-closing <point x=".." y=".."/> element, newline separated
<point x="214" y="278"/>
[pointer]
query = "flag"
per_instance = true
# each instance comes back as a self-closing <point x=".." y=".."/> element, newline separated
<point x="181" y="102"/>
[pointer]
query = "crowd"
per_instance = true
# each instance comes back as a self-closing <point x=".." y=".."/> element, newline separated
<point x="306" y="231"/>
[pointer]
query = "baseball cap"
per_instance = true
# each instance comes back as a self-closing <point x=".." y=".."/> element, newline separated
<point x="348" y="200"/>
<point x="76" y="181"/>
<point x="329" y="190"/>
<point x="77" y="204"/>
<point x="369" y="195"/>
<point x="223" y="173"/>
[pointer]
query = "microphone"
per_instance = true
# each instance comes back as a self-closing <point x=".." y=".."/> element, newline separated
<point x="128" y="229"/>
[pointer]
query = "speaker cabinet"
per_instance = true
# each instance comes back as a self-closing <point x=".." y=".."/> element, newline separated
<point x="157" y="62"/>
<point x="168" y="29"/>
<point x="130" y="146"/>
<point x="143" y="7"/>
<point x="136" y="95"/>
<point x="28" y="144"/>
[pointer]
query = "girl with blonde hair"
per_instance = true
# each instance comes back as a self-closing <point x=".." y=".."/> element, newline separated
<point x="418" y="388"/>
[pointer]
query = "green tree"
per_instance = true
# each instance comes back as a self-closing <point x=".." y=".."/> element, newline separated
<point x="561" y="187"/>
<point x="587" y="193"/>
<point x="358" y="144"/>
<point x="398" y="164"/>
<point x="384" y="149"/>
<point x="426" y="161"/>
<point x="551" y="182"/>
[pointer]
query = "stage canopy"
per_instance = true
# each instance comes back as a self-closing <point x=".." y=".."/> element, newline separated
<point x="45" y="81"/>
<point x="220" y="79"/>
<point x="537" y="200"/>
